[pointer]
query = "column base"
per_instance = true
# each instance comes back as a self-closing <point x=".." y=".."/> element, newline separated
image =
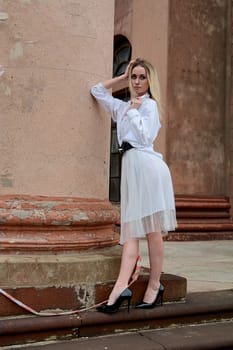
<point x="55" y="224"/>
<point x="64" y="282"/>
<point x="56" y="282"/>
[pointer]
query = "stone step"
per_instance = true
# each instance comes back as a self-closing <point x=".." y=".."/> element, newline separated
<point x="199" y="207"/>
<point x="207" y="336"/>
<point x="65" y="298"/>
<point x="198" y="308"/>
<point x="199" y="236"/>
<point x="201" y="218"/>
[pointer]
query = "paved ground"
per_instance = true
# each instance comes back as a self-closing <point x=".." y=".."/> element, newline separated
<point x="207" y="265"/>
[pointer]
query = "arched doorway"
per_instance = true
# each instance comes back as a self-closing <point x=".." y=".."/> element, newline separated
<point x="121" y="58"/>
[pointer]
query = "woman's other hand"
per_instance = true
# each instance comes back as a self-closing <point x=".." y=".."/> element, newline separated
<point x="136" y="102"/>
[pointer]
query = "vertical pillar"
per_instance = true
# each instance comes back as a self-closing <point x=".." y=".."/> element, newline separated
<point x="54" y="146"/>
<point x="54" y="164"/>
<point x="150" y="40"/>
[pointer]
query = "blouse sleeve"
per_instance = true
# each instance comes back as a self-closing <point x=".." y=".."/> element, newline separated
<point x="108" y="102"/>
<point x="145" y="122"/>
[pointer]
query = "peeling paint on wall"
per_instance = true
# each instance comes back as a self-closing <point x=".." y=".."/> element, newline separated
<point x="3" y="16"/>
<point x="6" y="180"/>
<point x="80" y="216"/>
<point x="26" y="1"/>
<point x="17" y="51"/>
<point x="6" y="89"/>
<point x="1" y="71"/>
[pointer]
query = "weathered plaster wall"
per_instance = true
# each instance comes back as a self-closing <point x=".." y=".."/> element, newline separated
<point x="229" y="105"/>
<point x="123" y="18"/>
<point x="196" y="95"/>
<point x="52" y="139"/>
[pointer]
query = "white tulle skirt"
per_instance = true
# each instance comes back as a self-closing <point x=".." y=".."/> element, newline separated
<point x="147" y="197"/>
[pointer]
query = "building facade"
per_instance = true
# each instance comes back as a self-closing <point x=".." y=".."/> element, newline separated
<point x="190" y="44"/>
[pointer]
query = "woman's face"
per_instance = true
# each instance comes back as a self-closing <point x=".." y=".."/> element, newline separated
<point x="139" y="80"/>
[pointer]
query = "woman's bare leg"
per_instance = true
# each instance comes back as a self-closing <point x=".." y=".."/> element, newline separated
<point x="156" y="253"/>
<point x="128" y="261"/>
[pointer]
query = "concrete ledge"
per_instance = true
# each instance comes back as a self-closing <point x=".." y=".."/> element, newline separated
<point x="59" y="269"/>
<point x="175" y="287"/>
<point x="56" y="281"/>
<point x="199" y="307"/>
<point x="217" y="335"/>
<point x="78" y="293"/>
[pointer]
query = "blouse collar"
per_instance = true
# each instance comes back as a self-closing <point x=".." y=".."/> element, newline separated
<point x="146" y="95"/>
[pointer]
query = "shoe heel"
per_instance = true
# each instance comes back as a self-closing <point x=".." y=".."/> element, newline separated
<point x="158" y="300"/>
<point x="161" y="291"/>
<point x="126" y="295"/>
<point x="161" y="299"/>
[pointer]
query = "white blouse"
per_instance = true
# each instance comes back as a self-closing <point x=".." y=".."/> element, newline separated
<point x="139" y="127"/>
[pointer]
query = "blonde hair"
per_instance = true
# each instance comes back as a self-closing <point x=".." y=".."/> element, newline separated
<point x="153" y="80"/>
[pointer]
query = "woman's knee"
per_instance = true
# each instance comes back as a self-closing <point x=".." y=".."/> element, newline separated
<point x="131" y="248"/>
<point x="154" y="236"/>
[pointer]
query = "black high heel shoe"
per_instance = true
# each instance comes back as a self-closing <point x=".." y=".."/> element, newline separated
<point x="111" y="309"/>
<point x="158" y="299"/>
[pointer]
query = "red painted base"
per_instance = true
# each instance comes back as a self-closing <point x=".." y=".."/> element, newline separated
<point x="39" y="224"/>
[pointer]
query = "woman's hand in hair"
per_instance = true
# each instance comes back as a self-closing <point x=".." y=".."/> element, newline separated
<point x="127" y="71"/>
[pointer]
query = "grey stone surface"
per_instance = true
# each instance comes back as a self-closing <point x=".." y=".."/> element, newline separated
<point x="207" y="265"/>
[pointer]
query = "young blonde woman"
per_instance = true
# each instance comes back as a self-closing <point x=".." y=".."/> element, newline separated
<point x="147" y="198"/>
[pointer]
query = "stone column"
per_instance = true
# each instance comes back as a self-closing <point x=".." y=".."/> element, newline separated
<point x="54" y="145"/>
<point x="150" y="40"/>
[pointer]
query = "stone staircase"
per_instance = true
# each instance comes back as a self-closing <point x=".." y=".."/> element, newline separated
<point x="215" y="335"/>
<point x="180" y="310"/>
<point x="202" y="218"/>
<point x="210" y="312"/>
<point x="19" y="327"/>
